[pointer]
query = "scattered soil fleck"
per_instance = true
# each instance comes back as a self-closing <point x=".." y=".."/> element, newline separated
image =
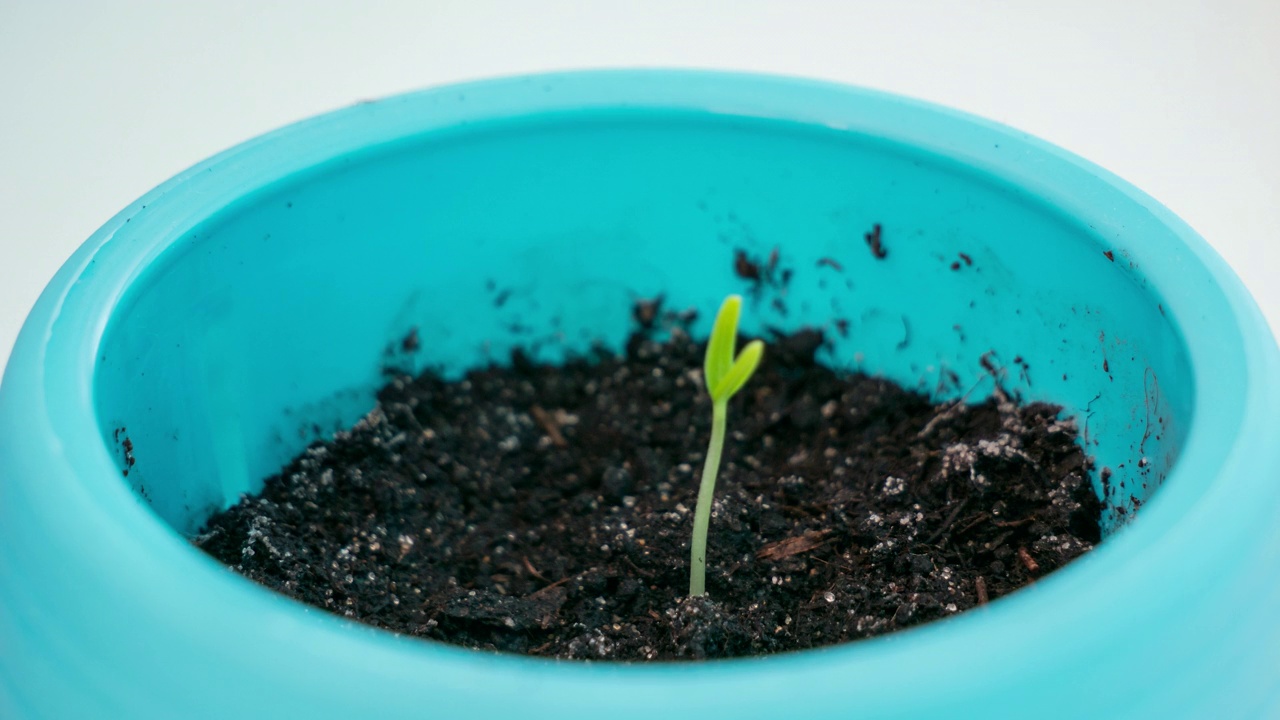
<point x="410" y="343"/>
<point x="645" y="312"/>
<point x="127" y="445"/>
<point x="744" y="267"/>
<point x="875" y="241"/>
<point x="547" y="510"/>
<point x="1024" y="369"/>
<point x="763" y="273"/>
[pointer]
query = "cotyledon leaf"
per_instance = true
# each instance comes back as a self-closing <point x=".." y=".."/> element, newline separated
<point x="740" y="371"/>
<point x="720" y="347"/>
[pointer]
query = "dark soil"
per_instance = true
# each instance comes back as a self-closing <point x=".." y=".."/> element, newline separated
<point x="547" y="510"/>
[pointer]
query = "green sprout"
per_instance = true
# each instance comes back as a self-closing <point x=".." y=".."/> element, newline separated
<point x="724" y="376"/>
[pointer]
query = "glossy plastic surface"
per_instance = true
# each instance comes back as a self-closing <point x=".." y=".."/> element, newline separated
<point x="236" y="311"/>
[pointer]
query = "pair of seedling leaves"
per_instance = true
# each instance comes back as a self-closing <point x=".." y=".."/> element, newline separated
<point x="724" y="374"/>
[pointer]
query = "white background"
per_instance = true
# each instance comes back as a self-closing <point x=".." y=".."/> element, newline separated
<point x="100" y="101"/>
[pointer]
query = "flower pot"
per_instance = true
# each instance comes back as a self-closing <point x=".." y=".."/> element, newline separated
<point x="212" y="329"/>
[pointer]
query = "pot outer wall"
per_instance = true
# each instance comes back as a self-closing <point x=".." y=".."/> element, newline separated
<point x="236" y="312"/>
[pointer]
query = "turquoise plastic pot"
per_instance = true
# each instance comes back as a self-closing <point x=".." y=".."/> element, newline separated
<point x="222" y="320"/>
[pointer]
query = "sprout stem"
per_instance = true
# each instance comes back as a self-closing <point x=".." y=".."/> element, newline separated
<point x="706" y="491"/>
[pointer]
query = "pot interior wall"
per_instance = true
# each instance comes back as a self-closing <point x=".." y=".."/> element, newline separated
<point x="269" y="325"/>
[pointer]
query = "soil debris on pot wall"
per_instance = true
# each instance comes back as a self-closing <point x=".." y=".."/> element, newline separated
<point x="547" y="510"/>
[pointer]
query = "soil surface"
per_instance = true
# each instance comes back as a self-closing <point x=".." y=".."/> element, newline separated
<point x="547" y="510"/>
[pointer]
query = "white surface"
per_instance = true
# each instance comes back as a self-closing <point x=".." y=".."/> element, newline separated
<point x="101" y="101"/>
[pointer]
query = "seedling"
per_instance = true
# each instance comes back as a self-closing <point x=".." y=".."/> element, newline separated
<point x="724" y="376"/>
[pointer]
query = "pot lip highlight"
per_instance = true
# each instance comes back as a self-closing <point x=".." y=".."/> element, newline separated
<point x="1232" y="355"/>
